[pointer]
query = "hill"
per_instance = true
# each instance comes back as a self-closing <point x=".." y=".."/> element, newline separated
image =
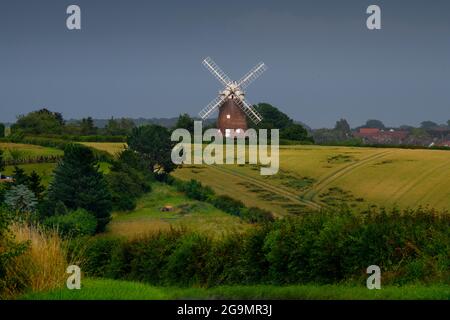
<point x="316" y="176"/>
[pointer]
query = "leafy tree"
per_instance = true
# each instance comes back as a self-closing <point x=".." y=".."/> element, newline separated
<point x="120" y="127"/>
<point x="39" y="122"/>
<point x="78" y="183"/>
<point x="272" y="117"/>
<point x="428" y="125"/>
<point x="343" y="127"/>
<point x="20" y="177"/>
<point x="185" y="122"/>
<point x="372" y="123"/>
<point x="153" y="144"/>
<point x="275" y="119"/>
<point x="295" y="132"/>
<point x="448" y="123"/>
<point x="128" y="180"/>
<point x="87" y="126"/>
<point x="2" y="130"/>
<point x="420" y="133"/>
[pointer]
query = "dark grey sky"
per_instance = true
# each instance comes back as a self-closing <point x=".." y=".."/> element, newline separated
<point x="143" y="58"/>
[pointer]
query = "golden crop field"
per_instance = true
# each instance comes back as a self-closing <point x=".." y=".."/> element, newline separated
<point x="111" y="147"/>
<point x="313" y="176"/>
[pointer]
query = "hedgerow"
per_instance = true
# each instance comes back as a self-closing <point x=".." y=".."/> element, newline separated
<point x="324" y="247"/>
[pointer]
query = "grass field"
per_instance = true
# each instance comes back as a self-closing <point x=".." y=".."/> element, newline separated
<point x="45" y="170"/>
<point x="123" y="290"/>
<point x="189" y="214"/>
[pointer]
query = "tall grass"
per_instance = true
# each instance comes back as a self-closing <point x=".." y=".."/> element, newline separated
<point x="42" y="267"/>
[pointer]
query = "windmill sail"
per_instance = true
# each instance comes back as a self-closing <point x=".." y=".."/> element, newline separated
<point x="252" y="75"/>
<point x="249" y="110"/>
<point x="216" y="71"/>
<point x="211" y="107"/>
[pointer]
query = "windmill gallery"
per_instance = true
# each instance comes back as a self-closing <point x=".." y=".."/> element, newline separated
<point x="232" y="125"/>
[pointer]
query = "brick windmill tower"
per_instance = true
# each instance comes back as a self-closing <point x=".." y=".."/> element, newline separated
<point x="233" y="108"/>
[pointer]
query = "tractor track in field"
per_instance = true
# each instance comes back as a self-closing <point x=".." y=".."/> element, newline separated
<point x="325" y="182"/>
<point x="271" y="188"/>
<point x="415" y="182"/>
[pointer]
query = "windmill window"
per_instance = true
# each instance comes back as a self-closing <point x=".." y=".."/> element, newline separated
<point x="228" y="116"/>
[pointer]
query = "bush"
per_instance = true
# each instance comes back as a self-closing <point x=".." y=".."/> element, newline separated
<point x="330" y="247"/>
<point x="228" y="204"/>
<point x="74" y="224"/>
<point x="195" y="190"/>
<point x="97" y="255"/>
<point x="224" y="262"/>
<point x="147" y="258"/>
<point x="9" y="249"/>
<point x="257" y="215"/>
<point x="186" y="265"/>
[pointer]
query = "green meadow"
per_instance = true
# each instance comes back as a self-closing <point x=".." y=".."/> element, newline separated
<point x="95" y="289"/>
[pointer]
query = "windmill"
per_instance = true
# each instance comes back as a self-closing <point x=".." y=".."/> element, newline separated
<point x="233" y="108"/>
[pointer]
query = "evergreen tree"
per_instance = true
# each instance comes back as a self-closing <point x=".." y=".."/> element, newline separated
<point x="78" y="183"/>
<point x="35" y="185"/>
<point x="22" y="201"/>
<point x="20" y="177"/>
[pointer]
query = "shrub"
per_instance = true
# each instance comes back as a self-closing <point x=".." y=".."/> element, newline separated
<point x="187" y="264"/>
<point x="224" y="261"/>
<point x="257" y="215"/>
<point x="195" y="190"/>
<point x="9" y="250"/>
<point x="228" y="204"/>
<point x="148" y="257"/>
<point x="97" y="255"/>
<point x="74" y="224"/>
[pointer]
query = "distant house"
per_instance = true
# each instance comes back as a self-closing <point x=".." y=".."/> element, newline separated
<point x="444" y="144"/>
<point x="379" y="136"/>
